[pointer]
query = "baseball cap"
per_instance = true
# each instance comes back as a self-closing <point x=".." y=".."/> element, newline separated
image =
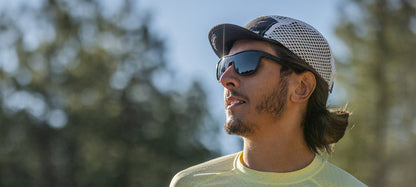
<point x="300" y="38"/>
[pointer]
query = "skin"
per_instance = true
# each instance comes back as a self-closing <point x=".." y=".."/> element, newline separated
<point x="273" y="140"/>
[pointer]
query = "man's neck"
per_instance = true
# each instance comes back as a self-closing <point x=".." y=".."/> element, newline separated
<point x="281" y="152"/>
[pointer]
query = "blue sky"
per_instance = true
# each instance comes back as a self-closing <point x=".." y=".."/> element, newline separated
<point x="185" y="24"/>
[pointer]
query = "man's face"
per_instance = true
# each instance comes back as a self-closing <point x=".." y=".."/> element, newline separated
<point x="253" y="101"/>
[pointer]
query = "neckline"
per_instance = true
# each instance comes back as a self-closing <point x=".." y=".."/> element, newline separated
<point x="279" y="178"/>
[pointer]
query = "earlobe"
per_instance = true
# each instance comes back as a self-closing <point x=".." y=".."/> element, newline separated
<point x="305" y="87"/>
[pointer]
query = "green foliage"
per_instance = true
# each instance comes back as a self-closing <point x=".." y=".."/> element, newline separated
<point x="379" y="77"/>
<point x="80" y="106"/>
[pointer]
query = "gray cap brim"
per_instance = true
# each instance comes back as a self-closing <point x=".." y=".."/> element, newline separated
<point x="223" y="36"/>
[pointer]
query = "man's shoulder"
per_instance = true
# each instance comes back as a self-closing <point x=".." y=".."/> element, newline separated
<point x="336" y="176"/>
<point x="204" y="171"/>
<point x="219" y="164"/>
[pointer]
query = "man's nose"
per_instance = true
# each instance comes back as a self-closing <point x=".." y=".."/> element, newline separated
<point x="230" y="79"/>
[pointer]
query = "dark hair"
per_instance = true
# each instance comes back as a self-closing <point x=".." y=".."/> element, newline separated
<point x="321" y="127"/>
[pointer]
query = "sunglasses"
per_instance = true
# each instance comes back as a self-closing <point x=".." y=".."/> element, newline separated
<point x="245" y="63"/>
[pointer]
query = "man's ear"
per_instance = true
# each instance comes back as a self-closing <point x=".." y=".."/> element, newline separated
<point x="306" y="84"/>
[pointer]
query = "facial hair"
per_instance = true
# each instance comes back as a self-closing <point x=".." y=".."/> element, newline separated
<point x="272" y="103"/>
<point x="275" y="102"/>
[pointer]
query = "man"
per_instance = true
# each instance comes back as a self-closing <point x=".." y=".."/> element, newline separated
<point x="277" y="73"/>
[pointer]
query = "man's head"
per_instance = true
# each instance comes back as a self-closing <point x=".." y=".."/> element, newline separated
<point x="271" y="67"/>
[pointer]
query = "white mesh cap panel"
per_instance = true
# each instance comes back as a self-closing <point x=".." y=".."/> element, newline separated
<point x="306" y="42"/>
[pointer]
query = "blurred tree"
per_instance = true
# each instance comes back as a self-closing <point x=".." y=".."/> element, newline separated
<point x="81" y="100"/>
<point x="378" y="75"/>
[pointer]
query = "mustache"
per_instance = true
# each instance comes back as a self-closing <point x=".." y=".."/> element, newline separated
<point x="236" y="94"/>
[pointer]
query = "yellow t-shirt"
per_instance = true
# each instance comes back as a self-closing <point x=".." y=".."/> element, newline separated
<point x="229" y="171"/>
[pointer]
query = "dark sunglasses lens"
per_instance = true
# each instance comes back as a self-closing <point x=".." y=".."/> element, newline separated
<point x="222" y="67"/>
<point x="245" y="63"/>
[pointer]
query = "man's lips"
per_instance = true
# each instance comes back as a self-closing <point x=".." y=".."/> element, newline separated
<point x="233" y="101"/>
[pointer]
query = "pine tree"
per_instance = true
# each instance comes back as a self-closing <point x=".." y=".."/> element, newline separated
<point x="81" y="102"/>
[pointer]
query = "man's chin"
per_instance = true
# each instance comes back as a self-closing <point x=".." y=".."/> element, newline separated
<point x="238" y="127"/>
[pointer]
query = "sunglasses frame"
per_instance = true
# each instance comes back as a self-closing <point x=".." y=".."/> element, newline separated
<point x="231" y="59"/>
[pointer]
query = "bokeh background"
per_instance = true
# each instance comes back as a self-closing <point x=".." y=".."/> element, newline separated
<point x="123" y="93"/>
